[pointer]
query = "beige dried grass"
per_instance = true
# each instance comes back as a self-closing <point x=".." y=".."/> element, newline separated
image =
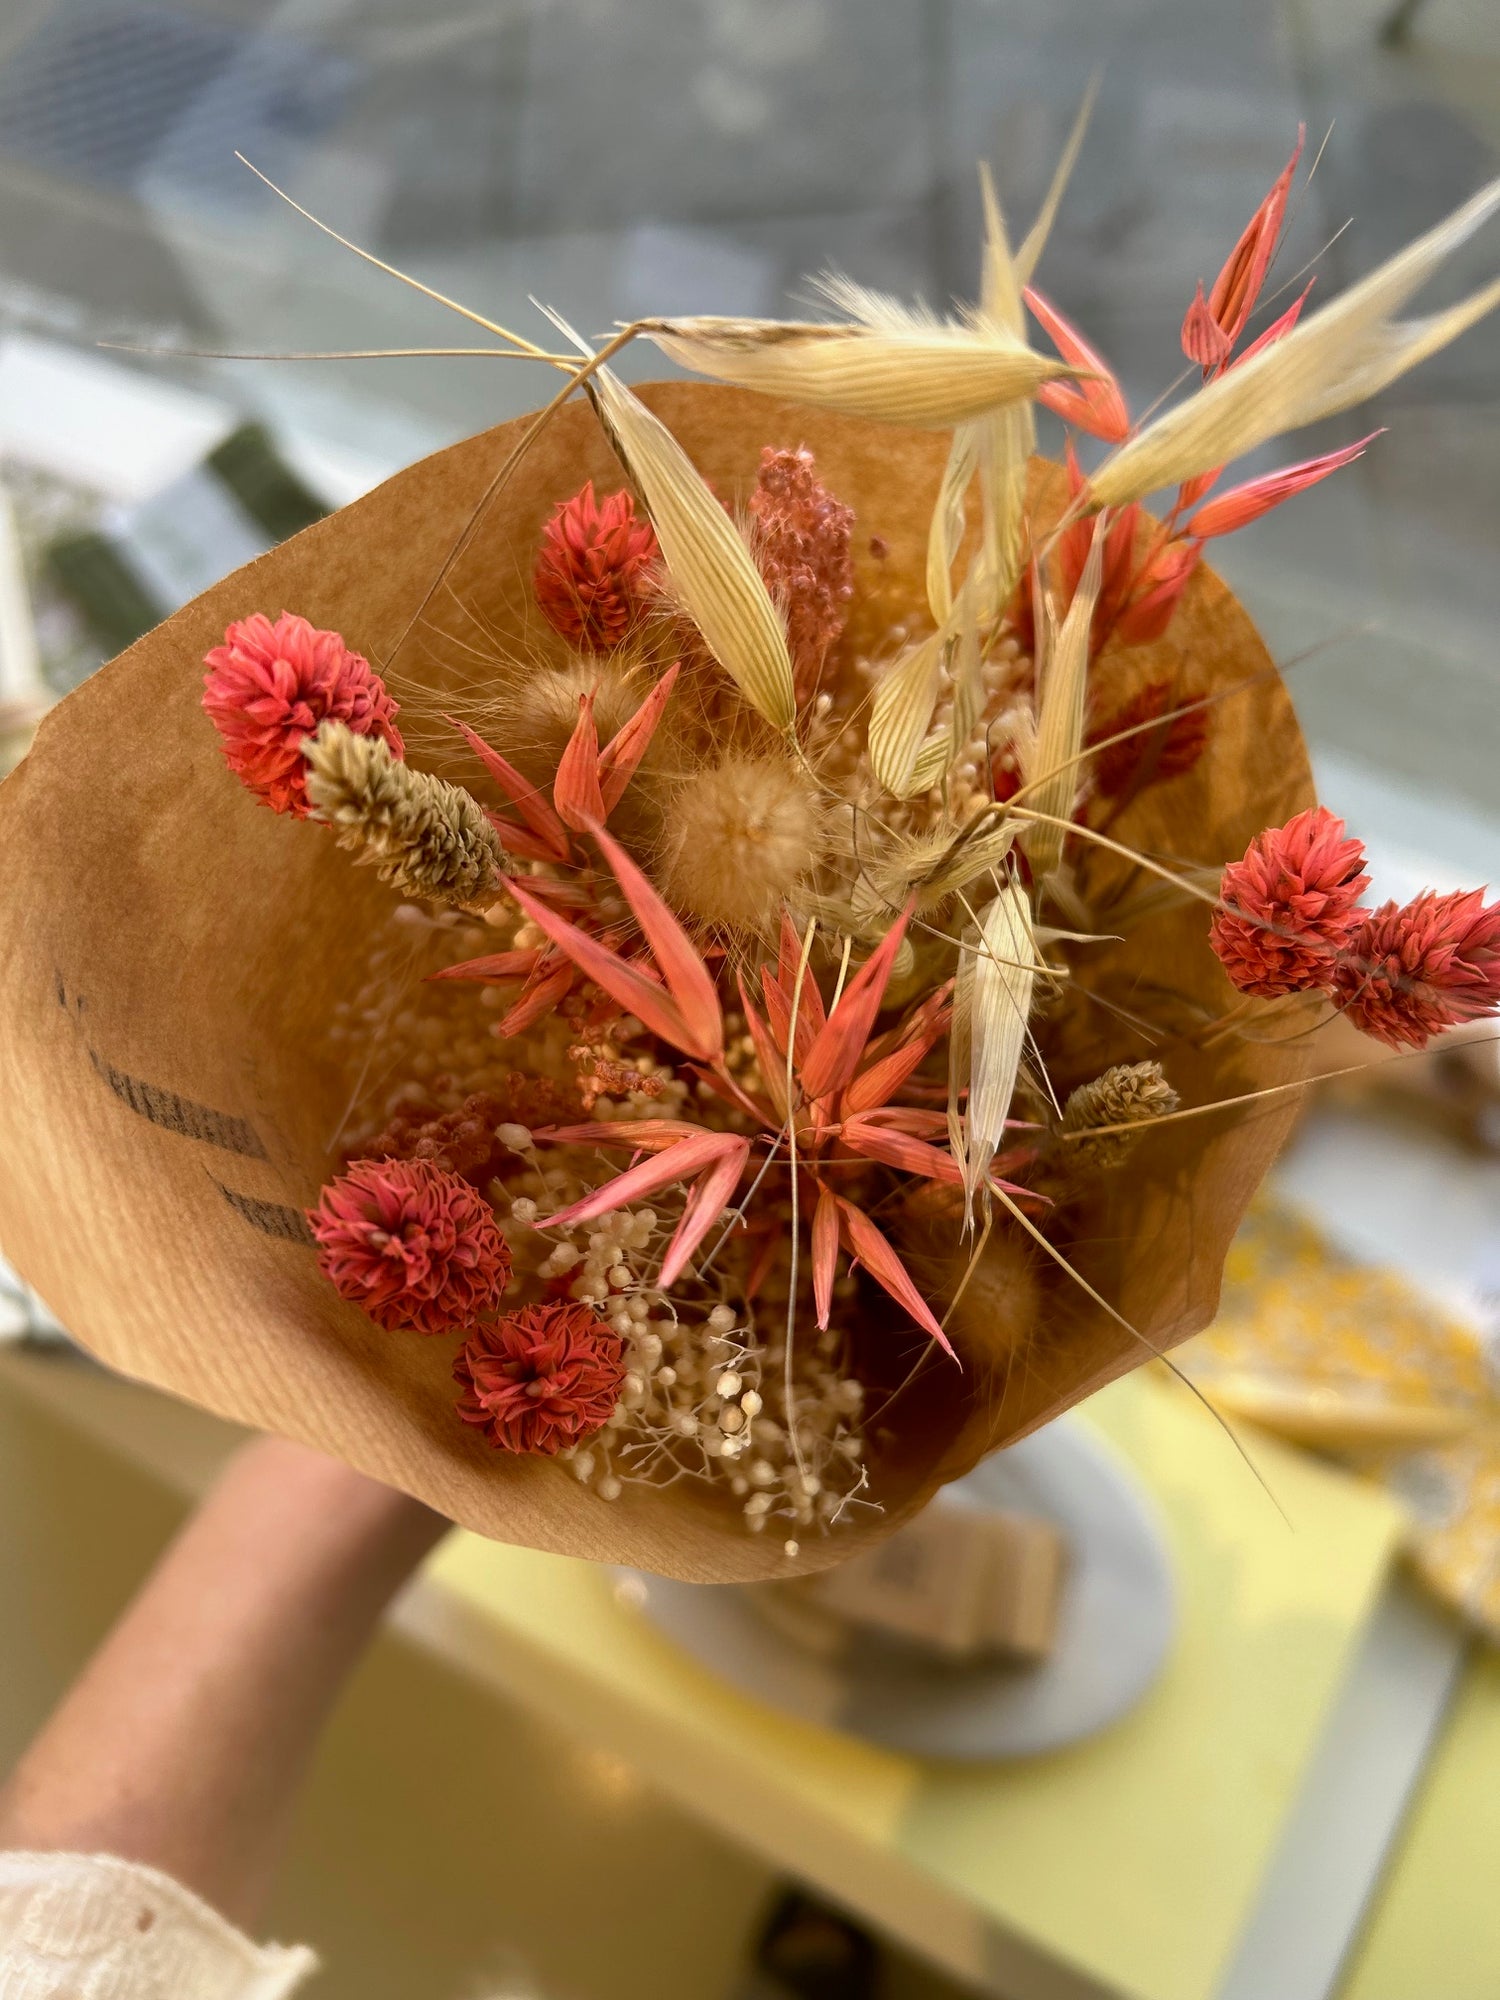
<point x="1051" y="772"/>
<point x="886" y="361"/>
<point x="1329" y="361"/>
<point x="1004" y="961"/>
<point x="712" y="571"/>
<point x="425" y="837"/>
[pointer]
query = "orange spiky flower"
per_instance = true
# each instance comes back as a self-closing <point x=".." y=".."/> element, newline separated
<point x="594" y="577"/>
<point x="1409" y="971"/>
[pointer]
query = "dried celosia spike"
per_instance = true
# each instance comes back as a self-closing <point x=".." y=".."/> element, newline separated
<point x="715" y="1160"/>
<point x="1146" y="740"/>
<point x="1349" y="350"/>
<point x="621" y="756"/>
<point x="575" y="791"/>
<point x="595" y="571"/>
<point x="707" y="1201"/>
<point x="532" y="805"/>
<point x="890" y="363"/>
<point x="1407" y="972"/>
<point x="267" y="689"/>
<point x="1238" y="284"/>
<point x="1126" y="1094"/>
<point x="625" y="983"/>
<point x="1054" y="773"/>
<point x="1277" y="329"/>
<point x="712" y="572"/>
<point x="542" y="1378"/>
<point x="801" y="538"/>
<point x="839" y="1045"/>
<point x="1002" y="957"/>
<point x="411" y="1244"/>
<point x="825" y="1253"/>
<point x="1244" y="504"/>
<point x="688" y="979"/>
<point x="878" y="1083"/>
<point x="1095" y="403"/>
<point x="1203" y="339"/>
<point x="1156" y="591"/>
<point x="425" y="836"/>
<point x="868" y="1246"/>
<point x="1289" y="906"/>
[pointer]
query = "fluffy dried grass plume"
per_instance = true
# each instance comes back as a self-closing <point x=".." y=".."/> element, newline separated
<point x="534" y="713"/>
<point x="426" y="837"/>
<point x="1123" y="1095"/>
<point x="737" y="838"/>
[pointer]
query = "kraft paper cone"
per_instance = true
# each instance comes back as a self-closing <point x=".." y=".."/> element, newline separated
<point x="171" y="951"/>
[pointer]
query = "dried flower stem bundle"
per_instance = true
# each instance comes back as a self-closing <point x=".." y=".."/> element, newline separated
<point x="802" y="851"/>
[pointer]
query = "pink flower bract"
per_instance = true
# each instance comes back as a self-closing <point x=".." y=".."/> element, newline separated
<point x="1289" y="905"/>
<point x="269" y="686"/>
<point x="412" y="1244"/>
<point x="540" y="1378"/>
<point x="594" y="577"/>
<point x="1407" y="972"/>
<point x="801" y="537"/>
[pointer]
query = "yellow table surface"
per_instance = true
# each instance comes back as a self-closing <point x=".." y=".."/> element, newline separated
<point x="1134" y="1857"/>
<point x="1127" y="1853"/>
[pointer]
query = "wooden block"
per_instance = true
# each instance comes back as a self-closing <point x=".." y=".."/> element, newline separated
<point x="958" y="1580"/>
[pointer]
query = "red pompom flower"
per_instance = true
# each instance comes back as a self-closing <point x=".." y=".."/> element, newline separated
<point x="1289" y="906"/>
<point x="269" y="686"/>
<point x="1409" y="972"/>
<point x="594" y="578"/>
<point x="412" y="1244"/>
<point x="801" y="538"/>
<point x="540" y="1378"/>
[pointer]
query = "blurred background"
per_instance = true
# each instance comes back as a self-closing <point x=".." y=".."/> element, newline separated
<point x="614" y="158"/>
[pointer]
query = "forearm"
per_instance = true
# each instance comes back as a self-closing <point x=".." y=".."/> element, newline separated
<point x="183" y="1742"/>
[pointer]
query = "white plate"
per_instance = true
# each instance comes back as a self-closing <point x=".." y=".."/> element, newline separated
<point x="1118" y="1615"/>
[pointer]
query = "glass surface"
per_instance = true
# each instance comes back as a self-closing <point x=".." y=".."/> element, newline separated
<point x="618" y="156"/>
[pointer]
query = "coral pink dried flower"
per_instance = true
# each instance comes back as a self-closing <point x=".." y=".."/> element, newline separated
<point x="540" y="1378"/>
<point x="1146" y="756"/>
<point x="1214" y="324"/>
<point x="412" y="1244"/>
<point x="801" y="539"/>
<point x="595" y="571"/>
<point x="267" y="689"/>
<point x="1408" y="972"/>
<point x="1289" y="906"/>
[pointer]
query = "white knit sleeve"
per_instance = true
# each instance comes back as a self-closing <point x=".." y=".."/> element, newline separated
<point x="91" y="1927"/>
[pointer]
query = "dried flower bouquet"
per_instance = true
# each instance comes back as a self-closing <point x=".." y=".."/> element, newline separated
<point x="847" y="919"/>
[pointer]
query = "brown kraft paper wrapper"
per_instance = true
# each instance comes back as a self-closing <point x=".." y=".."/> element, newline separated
<point x="170" y="952"/>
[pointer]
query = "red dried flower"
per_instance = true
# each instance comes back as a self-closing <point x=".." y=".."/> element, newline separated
<point x="1289" y="906"/>
<point x="412" y="1244"/>
<point x="540" y="1378"/>
<point x="802" y="538"/>
<point x="1409" y="972"/>
<point x="269" y="686"/>
<point x="1149" y="755"/>
<point x="594" y="578"/>
<point x="460" y="1141"/>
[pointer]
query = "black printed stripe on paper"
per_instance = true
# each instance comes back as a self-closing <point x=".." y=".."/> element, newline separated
<point x="180" y="1114"/>
<point x="271" y="1218"/>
